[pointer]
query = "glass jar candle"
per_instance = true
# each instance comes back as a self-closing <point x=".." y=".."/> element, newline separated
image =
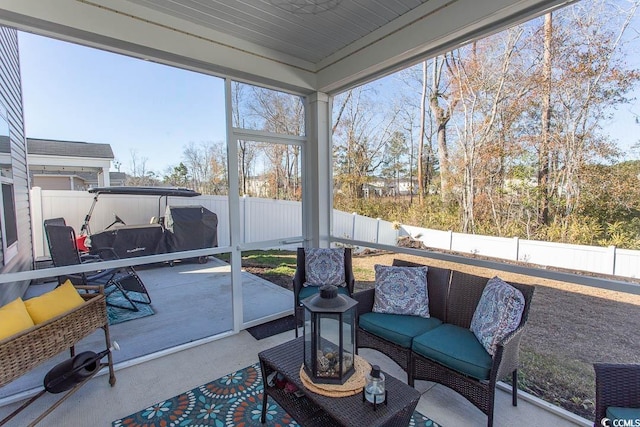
<point x="374" y="390"/>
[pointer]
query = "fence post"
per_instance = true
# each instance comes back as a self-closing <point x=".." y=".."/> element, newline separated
<point x="450" y="240"/>
<point x="378" y="229"/>
<point x="37" y="223"/>
<point x="353" y="226"/>
<point x="612" y="259"/>
<point x="516" y="241"/>
<point x="245" y="222"/>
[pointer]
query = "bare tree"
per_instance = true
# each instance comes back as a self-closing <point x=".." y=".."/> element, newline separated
<point x="197" y="158"/>
<point x="408" y="126"/>
<point x="479" y="88"/>
<point x="442" y="115"/>
<point x="583" y="76"/>
<point x="362" y="132"/>
<point x="206" y="164"/>
<point x="139" y="175"/>
<point x="218" y="182"/>
<point x="545" y="91"/>
<point x="246" y="154"/>
<point x="276" y="112"/>
<point x="421" y="136"/>
<point x="593" y="80"/>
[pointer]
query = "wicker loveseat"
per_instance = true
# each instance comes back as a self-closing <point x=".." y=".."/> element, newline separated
<point x="442" y="348"/>
<point x="22" y="352"/>
<point x="617" y="393"/>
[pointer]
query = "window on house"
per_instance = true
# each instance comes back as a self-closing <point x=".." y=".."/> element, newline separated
<point x="8" y="225"/>
<point x="11" y="230"/>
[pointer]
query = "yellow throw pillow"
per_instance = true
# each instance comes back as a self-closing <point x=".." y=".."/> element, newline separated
<point x="14" y="318"/>
<point x="49" y="305"/>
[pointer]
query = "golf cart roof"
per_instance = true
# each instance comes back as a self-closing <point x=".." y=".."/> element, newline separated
<point x="146" y="191"/>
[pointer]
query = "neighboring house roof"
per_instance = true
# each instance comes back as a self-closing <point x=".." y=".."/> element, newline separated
<point x="84" y="160"/>
<point x="50" y="147"/>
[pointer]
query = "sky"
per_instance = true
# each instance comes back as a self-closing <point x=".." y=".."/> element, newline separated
<point x="75" y="93"/>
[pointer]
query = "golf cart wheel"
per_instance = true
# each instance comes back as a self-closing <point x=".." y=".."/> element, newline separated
<point x="203" y="259"/>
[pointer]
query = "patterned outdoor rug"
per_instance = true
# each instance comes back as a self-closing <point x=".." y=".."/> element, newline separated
<point x="233" y="400"/>
<point x="119" y="315"/>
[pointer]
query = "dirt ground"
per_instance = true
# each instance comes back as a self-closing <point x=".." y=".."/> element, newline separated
<point x="569" y="328"/>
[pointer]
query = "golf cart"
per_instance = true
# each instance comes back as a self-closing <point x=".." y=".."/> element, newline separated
<point x="181" y="228"/>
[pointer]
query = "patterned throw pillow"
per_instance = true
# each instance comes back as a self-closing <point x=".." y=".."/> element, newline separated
<point x="498" y="313"/>
<point x="401" y="290"/>
<point x="324" y="267"/>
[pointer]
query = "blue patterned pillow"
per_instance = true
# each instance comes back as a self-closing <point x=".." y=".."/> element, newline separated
<point x="498" y="313"/>
<point x="324" y="267"/>
<point x="401" y="290"/>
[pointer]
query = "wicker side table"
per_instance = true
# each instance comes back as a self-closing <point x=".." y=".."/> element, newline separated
<point x="316" y="410"/>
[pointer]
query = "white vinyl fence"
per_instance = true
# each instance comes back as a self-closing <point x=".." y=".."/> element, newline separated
<point x="262" y="219"/>
<point x="267" y="219"/>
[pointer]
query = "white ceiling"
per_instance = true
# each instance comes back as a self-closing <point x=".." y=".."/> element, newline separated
<point x="311" y="37"/>
<point x="254" y="41"/>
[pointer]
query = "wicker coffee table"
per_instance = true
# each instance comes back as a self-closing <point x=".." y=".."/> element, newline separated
<point x="313" y="409"/>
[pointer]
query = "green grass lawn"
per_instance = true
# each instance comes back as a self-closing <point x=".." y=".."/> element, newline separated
<point x="284" y="262"/>
<point x="275" y="261"/>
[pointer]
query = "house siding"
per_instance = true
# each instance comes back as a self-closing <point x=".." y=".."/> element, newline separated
<point x="11" y="98"/>
<point x="62" y="182"/>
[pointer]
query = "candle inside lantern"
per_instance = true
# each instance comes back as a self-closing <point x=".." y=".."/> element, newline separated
<point x="329" y="336"/>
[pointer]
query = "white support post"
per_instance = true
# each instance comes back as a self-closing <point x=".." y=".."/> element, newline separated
<point x="317" y="196"/>
<point x="37" y="223"/>
<point x="104" y="179"/>
<point x="612" y="259"/>
<point x="353" y="225"/>
<point x="234" y="215"/>
<point x="245" y="219"/>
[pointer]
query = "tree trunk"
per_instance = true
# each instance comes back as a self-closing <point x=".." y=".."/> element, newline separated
<point x="421" y="136"/>
<point x="443" y="157"/>
<point x="441" y="118"/>
<point x="543" y="159"/>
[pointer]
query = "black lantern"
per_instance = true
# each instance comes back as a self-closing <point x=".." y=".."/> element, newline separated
<point x="329" y="336"/>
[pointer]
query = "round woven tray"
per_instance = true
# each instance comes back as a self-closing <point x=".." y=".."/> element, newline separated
<point x="353" y="385"/>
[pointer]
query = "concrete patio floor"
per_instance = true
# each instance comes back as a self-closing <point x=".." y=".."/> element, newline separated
<point x="187" y="343"/>
<point x="140" y="386"/>
<point x="191" y="302"/>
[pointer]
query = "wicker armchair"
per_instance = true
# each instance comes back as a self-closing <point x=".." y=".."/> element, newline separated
<point x="616" y="385"/>
<point x="300" y="277"/>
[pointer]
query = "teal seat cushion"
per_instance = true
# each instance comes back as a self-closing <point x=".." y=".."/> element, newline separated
<point x="456" y="348"/>
<point x="397" y="328"/>
<point x="618" y="413"/>
<point x="307" y="291"/>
